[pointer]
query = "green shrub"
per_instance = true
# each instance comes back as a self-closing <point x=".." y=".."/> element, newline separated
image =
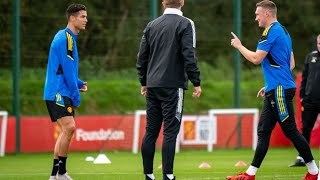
<point x="123" y="96"/>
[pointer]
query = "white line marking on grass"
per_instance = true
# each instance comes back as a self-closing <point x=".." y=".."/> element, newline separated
<point x="276" y="177"/>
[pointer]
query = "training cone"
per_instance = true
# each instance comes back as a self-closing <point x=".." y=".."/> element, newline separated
<point x="240" y="164"/>
<point x="204" y="165"/>
<point x="102" y="159"/>
<point x="160" y="166"/>
<point x="89" y="158"/>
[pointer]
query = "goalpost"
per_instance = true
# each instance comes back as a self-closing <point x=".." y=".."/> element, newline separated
<point x="205" y="127"/>
<point x="213" y="113"/>
<point x="4" y="115"/>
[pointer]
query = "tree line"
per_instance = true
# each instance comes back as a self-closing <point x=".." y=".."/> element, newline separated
<point x="113" y="33"/>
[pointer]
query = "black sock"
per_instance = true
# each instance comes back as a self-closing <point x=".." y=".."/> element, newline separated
<point x="62" y="165"/>
<point x="55" y="167"/>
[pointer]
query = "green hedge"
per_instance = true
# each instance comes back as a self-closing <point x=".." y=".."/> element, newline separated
<point x="123" y="96"/>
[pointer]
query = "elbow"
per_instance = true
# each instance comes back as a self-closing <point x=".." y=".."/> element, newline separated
<point x="292" y="66"/>
<point x="256" y="62"/>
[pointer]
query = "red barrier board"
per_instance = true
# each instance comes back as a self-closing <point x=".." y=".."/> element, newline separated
<point x="94" y="133"/>
<point x="227" y="131"/>
<point x="11" y="135"/>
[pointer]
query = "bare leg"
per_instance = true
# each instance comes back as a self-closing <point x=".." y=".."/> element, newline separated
<point x="67" y="125"/>
<point x="55" y="165"/>
<point x="56" y="147"/>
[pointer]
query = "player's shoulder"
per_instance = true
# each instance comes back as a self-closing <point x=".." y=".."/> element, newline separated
<point x="186" y="20"/>
<point x="60" y="36"/>
<point x="272" y="28"/>
<point x="266" y="33"/>
<point x="313" y="53"/>
<point x="154" y="22"/>
<point x="272" y="31"/>
<point x="312" y="56"/>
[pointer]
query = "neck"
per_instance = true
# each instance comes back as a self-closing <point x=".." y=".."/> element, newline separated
<point x="271" y="21"/>
<point x="73" y="28"/>
<point x="173" y="8"/>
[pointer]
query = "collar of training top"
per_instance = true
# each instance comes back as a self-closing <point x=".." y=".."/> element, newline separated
<point x="172" y="11"/>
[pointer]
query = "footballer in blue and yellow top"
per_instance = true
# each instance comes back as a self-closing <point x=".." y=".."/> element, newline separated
<point x="62" y="69"/>
<point x="274" y="53"/>
<point x="276" y="65"/>
<point x="276" y="41"/>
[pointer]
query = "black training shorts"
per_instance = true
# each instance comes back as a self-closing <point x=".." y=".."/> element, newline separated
<point x="58" y="110"/>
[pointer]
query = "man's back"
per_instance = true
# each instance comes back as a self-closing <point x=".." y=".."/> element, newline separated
<point x="169" y="49"/>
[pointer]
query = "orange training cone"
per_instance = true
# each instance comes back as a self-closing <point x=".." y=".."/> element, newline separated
<point x="240" y="164"/>
<point x="204" y="165"/>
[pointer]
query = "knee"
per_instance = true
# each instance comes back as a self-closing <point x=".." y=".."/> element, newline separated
<point x="170" y="137"/>
<point x="291" y="134"/>
<point x="264" y="134"/>
<point x="69" y="129"/>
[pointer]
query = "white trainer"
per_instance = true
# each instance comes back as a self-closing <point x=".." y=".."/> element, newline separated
<point x="53" y="178"/>
<point x="65" y="176"/>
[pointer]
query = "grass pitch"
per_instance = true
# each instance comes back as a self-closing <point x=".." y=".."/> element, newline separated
<point x="127" y="166"/>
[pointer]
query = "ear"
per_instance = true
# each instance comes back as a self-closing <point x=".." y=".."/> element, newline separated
<point x="164" y="4"/>
<point x="182" y="3"/>
<point x="72" y="18"/>
<point x="267" y="13"/>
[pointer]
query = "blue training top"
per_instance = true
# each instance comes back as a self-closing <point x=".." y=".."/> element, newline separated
<point x="276" y="65"/>
<point x="62" y="69"/>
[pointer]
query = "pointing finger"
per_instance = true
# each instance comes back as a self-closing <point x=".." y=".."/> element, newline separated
<point x="235" y="36"/>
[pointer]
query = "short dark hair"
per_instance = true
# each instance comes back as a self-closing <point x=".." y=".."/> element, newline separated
<point x="173" y="3"/>
<point x="267" y="4"/>
<point x="73" y="9"/>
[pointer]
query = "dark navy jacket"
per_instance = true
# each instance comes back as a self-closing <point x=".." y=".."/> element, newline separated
<point x="310" y="84"/>
<point x="167" y="56"/>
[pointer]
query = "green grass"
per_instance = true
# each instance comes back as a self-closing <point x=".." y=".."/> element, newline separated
<point x="126" y="166"/>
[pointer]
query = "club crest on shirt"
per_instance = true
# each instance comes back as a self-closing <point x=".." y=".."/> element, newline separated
<point x="69" y="109"/>
<point x="314" y="59"/>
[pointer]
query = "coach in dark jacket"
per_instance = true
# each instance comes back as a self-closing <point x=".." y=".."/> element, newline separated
<point x="165" y="62"/>
<point x="310" y="96"/>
